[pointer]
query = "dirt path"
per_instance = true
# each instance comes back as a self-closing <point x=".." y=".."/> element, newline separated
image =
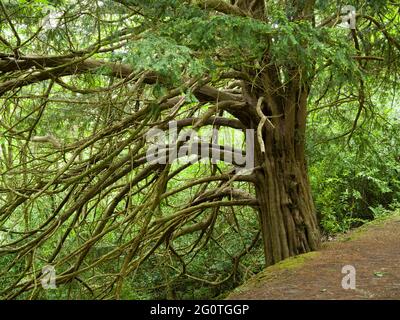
<point x="374" y="251"/>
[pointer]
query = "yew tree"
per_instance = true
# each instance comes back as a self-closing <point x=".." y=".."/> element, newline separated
<point x="83" y="83"/>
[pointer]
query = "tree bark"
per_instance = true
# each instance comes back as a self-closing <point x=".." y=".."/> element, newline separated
<point x="287" y="214"/>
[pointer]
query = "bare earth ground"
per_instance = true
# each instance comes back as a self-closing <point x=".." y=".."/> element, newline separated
<point x="374" y="251"/>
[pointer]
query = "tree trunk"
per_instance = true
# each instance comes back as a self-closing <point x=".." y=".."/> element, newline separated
<point x="288" y="220"/>
<point x="287" y="214"/>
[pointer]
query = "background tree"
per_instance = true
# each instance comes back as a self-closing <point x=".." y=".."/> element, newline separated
<point x="83" y="83"/>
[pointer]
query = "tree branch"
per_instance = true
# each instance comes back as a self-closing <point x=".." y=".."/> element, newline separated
<point x="220" y="6"/>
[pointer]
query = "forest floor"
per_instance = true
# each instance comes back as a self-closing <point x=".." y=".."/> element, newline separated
<point x="373" y="250"/>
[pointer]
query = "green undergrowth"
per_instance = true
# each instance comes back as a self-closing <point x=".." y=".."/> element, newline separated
<point x="359" y="232"/>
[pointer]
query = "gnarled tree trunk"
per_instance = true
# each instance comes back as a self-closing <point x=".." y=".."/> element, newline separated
<point x="288" y="219"/>
<point x="287" y="214"/>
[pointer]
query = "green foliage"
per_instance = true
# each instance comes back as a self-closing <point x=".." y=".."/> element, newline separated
<point x="164" y="56"/>
<point x="96" y="192"/>
<point x="357" y="182"/>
